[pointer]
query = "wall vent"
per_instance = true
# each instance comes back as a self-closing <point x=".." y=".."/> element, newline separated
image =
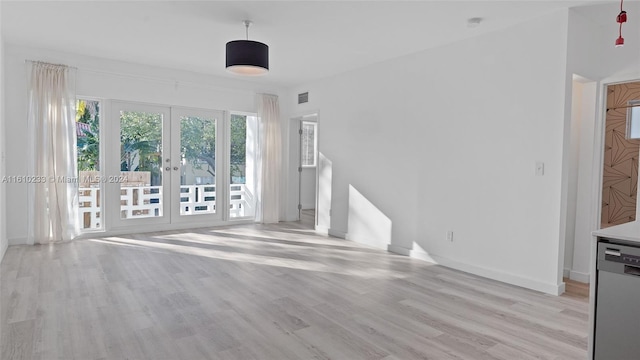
<point x="303" y="98"/>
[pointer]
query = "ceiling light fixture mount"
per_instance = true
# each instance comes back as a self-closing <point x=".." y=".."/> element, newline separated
<point x="247" y="57"/>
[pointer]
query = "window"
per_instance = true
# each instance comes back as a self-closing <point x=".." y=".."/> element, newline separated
<point x="309" y="143"/>
<point x="89" y="170"/>
<point x="242" y="146"/>
<point x="633" y="120"/>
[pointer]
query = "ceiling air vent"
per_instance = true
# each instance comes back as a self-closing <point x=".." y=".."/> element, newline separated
<point x="303" y="98"/>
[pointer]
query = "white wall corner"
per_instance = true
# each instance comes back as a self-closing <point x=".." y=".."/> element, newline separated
<point x="400" y="250"/>
<point x="338" y="234"/>
<point x="579" y="276"/>
<point x="566" y="272"/>
<point x="3" y="251"/>
<point x="322" y="230"/>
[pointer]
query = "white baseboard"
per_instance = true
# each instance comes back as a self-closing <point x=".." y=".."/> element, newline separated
<point x="322" y="230"/>
<point x="400" y="250"/>
<point x="553" y="289"/>
<point x="580" y="276"/>
<point x="337" y="233"/>
<point x="3" y="250"/>
<point x="422" y="255"/>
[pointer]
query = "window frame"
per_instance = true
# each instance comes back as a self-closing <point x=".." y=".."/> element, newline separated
<point x="631" y="105"/>
<point x="102" y="105"/>
<point x="314" y="124"/>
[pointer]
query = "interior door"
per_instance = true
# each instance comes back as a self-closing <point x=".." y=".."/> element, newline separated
<point x="199" y="193"/>
<point x="140" y="175"/>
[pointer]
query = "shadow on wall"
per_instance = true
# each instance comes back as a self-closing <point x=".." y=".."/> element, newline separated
<point x="366" y="224"/>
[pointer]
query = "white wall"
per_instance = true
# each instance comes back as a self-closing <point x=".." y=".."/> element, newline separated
<point x="3" y="218"/>
<point x="448" y="139"/>
<point x="586" y="203"/>
<point x="574" y="153"/>
<point x="107" y="79"/>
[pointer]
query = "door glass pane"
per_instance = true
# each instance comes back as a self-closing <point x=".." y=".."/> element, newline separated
<point x="198" y="165"/>
<point x="309" y="143"/>
<point x="140" y="165"/>
<point x="242" y="154"/>
<point x="88" y="157"/>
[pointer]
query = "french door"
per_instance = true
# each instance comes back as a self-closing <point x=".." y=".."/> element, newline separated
<point x="199" y="191"/>
<point x="165" y="166"/>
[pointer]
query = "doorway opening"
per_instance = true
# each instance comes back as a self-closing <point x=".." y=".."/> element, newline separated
<point x="621" y="153"/>
<point x="303" y="158"/>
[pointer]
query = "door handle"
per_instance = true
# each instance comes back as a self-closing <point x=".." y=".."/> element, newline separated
<point x="612" y="252"/>
<point x="631" y="270"/>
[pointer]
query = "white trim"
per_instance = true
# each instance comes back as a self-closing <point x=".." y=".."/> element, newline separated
<point x="598" y="154"/>
<point x="598" y="141"/>
<point x="338" y="234"/>
<point x="549" y="288"/>
<point x="420" y="254"/>
<point x="161" y="227"/>
<point x="566" y="272"/>
<point x="579" y="276"/>
<point x="322" y="230"/>
<point x="400" y="250"/>
<point x="3" y="251"/>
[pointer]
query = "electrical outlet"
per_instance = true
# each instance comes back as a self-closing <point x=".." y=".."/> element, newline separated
<point x="450" y="235"/>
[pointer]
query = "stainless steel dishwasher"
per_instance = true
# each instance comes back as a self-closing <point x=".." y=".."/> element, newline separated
<point x="617" y="307"/>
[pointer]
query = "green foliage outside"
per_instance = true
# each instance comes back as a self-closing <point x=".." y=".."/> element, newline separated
<point x="198" y="143"/>
<point x="141" y="142"/>
<point x="88" y="146"/>
<point x="238" y="146"/>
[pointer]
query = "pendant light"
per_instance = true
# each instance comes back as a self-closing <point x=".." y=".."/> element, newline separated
<point x="247" y="57"/>
<point x="621" y="19"/>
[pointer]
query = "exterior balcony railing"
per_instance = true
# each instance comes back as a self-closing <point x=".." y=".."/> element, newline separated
<point x="146" y="201"/>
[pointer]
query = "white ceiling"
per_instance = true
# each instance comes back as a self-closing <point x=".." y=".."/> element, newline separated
<point x="308" y="39"/>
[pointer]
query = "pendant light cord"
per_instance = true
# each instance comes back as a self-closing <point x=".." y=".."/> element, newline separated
<point x="247" y="23"/>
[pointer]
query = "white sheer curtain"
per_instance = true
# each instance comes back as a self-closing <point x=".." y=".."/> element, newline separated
<point x="269" y="159"/>
<point x="53" y="187"/>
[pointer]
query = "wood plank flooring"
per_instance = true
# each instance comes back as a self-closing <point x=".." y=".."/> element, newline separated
<point x="576" y="288"/>
<point x="267" y="292"/>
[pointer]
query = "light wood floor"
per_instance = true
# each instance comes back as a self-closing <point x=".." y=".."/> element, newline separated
<point x="267" y="292"/>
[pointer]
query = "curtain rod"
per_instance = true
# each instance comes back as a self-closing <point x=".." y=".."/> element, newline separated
<point x="48" y="63"/>
<point x="161" y="80"/>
